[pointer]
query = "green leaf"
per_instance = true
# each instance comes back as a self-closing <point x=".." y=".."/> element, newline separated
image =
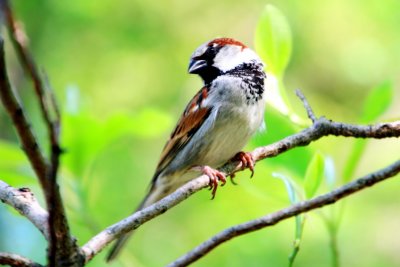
<point x="299" y="219"/>
<point x="314" y="173"/>
<point x="330" y="172"/>
<point x="273" y="40"/>
<point x="355" y="155"/>
<point x="377" y="102"/>
<point x="288" y="185"/>
<point x="294" y="162"/>
<point x="277" y="96"/>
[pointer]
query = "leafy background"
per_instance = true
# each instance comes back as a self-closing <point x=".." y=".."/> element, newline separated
<point x="119" y="71"/>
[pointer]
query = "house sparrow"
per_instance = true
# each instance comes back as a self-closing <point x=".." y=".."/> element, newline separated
<point x="216" y="124"/>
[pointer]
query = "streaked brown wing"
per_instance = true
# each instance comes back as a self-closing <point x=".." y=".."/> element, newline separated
<point x="190" y="122"/>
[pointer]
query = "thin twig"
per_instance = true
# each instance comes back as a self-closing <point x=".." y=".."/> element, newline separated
<point x="322" y="127"/>
<point x="19" y="40"/>
<point x="53" y="101"/>
<point x="47" y="172"/>
<point x="21" y="123"/>
<point x="310" y="112"/>
<point x="276" y="217"/>
<point x="26" y="204"/>
<point x="15" y="260"/>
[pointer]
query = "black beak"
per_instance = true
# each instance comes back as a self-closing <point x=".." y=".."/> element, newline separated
<point x="196" y="65"/>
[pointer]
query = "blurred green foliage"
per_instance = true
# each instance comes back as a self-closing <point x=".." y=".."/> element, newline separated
<point x="313" y="175"/>
<point x="119" y="70"/>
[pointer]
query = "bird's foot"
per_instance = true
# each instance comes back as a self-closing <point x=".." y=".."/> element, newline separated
<point x="247" y="161"/>
<point x="215" y="177"/>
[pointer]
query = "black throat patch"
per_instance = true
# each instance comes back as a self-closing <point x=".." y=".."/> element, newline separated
<point x="253" y="77"/>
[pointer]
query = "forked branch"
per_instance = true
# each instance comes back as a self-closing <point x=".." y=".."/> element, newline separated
<point x="321" y="127"/>
<point x="26" y="204"/>
<point x="63" y="250"/>
<point x="62" y="246"/>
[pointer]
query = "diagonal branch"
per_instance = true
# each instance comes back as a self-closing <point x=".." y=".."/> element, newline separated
<point x="296" y="209"/>
<point x="322" y="127"/>
<point x="46" y="97"/>
<point x="26" y="204"/>
<point x="105" y="237"/>
<point x="41" y="85"/>
<point x="15" y="260"/>
<point x="62" y="246"/>
<point x="63" y="250"/>
<point x="21" y="123"/>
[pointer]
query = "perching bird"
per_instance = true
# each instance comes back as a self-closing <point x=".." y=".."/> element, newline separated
<point x="216" y="124"/>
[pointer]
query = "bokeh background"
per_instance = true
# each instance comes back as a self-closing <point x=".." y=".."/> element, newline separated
<point x="119" y="70"/>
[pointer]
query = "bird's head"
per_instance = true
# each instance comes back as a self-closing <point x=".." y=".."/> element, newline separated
<point x="221" y="56"/>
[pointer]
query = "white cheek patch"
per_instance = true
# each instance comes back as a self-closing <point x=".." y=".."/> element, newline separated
<point x="231" y="56"/>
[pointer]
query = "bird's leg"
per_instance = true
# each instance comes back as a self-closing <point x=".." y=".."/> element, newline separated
<point x="247" y="161"/>
<point x="214" y="176"/>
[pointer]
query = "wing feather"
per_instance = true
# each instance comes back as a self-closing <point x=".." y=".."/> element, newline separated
<point x="190" y="122"/>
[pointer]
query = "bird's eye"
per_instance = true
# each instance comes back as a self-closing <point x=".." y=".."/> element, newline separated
<point x="213" y="47"/>
<point x="211" y="51"/>
<point x="208" y="53"/>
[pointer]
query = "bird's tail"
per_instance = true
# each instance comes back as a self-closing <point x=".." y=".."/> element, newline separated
<point x="118" y="246"/>
<point x="153" y="196"/>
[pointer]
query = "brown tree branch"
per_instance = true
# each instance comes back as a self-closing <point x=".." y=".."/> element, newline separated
<point x="21" y="123"/>
<point x="105" y="237"/>
<point x="26" y="204"/>
<point x="63" y="249"/>
<point x="41" y="85"/>
<point x="46" y="97"/>
<point x="296" y="209"/>
<point x="310" y="112"/>
<point x="320" y="128"/>
<point x="62" y="246"/>
<point x="15" y="260"/>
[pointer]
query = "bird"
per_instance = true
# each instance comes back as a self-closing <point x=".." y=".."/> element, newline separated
<point x="215" y="125"/>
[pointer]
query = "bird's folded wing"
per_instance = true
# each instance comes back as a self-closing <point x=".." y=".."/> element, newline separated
<point x="190" y="122"/>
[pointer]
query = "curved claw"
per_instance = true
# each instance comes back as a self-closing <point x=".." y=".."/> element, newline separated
<point x="247" y="161"/>
<point x="232" y="176"/>
<point x="214" y="176"/>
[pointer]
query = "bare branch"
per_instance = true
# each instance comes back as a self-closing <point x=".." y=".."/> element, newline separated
<point x="276" y="217"/>
<point x="21" y="123"/>
<point x="62" y="246"/>
<point x="25" y="203"/>
<point x="321" y="127"/>
<point x="101" y="240"/>
<point x="15" y="260"/>
<point x="63" y="249"/>
<point x="324" y="127"/>
<point x="310" y="112"/>
<point x="20" y="42"/>
<point x="53" y="101"/>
